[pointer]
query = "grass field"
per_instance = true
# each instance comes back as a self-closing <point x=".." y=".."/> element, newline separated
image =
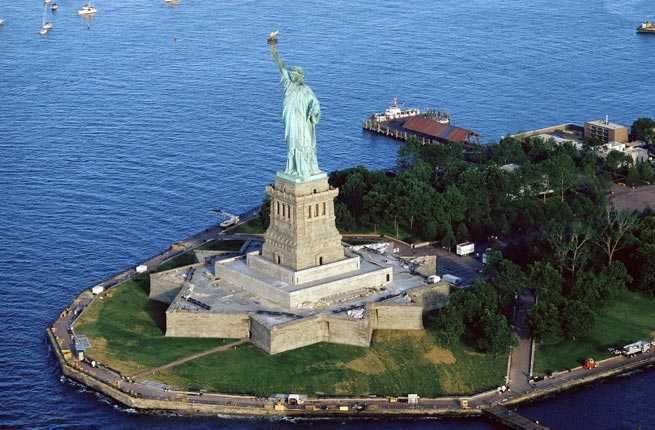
<point x="126" y="331"/>
<point x="628" y="318"/>
<point x="253" y="226"/>
<point x="398" y="362"/>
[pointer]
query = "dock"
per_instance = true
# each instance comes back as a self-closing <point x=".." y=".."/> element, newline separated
<point x="424" y="127"/>
<point x="510" y="419"/>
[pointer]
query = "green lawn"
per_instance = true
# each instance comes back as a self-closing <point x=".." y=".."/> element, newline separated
<point x="126" y="331"/>
<point x="398" y="362"/>
<point x="252" y="226"/>
<point x="628" y="318"/>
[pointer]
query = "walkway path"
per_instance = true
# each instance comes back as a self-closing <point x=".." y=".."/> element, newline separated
<point x="519" y="372"/>
<point x="189" y="358"/>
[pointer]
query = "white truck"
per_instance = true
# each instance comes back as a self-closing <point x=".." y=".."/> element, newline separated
<point x="452" y="279"/>
<point x="636" y="348"/>
<point x="466" y="248"/>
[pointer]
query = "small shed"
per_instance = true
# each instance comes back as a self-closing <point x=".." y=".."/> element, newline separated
<point x="81" y="343"/>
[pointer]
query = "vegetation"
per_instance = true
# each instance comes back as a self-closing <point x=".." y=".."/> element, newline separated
<point x="628" y="317"/>
<point x="398" y="362"/>
<point x="252" y="226"/>
<point x="564" y="240"/>
<point x="126" y="331"/>
<point x="644" y="129"/>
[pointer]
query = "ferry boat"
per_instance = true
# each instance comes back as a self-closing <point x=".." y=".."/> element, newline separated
<point x="394" y="112"/>
<point x="86" y="10"/>
<point x="646" y="27"/>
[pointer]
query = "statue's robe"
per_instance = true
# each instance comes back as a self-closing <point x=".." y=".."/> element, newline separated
<point x="300" y="114"/>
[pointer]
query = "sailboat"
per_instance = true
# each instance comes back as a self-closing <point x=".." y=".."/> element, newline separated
<point x="87" y="9"/>
<point x="46" y="26"/>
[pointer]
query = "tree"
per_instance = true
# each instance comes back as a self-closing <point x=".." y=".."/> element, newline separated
<point x="509" y="279"/>
<point x="561" y="173"/>
<point x="644" y="129"/>
<point x="633" y="177"/>
<point x="495" y="333"/>
<point x="450" y="324"/>
<point x="544" y="323"/>
<point x="462" y="233"/>
<point x="613" y="229"/>
<point x="569" y="244"/>
<point x="577" y="319"/>
<point x="448" y="240"/>
<point x="646" y="172"/>
<point x="265" y="212"/>
<point x="616" y="160"/>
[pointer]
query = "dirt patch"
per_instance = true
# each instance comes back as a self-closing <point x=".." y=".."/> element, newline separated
<point x="436" y="355"/>
<point x="369" y="364"/>
<point x="399" y="335"/>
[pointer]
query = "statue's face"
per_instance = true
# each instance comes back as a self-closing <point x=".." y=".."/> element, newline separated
<point x="297" y="75"/>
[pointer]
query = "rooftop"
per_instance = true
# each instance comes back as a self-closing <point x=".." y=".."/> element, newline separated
<point x="606" y="124"/>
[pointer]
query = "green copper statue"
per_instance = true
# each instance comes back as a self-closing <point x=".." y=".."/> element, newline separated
<point x="301" y="112"/>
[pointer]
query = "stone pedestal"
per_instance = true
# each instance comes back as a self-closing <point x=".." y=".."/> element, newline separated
<point x="302" y="232"/>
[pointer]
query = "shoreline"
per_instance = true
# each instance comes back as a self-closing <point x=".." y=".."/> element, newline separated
<point x="115" y="386"/>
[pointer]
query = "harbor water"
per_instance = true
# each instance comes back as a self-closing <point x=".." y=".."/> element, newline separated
<point x="120" y="133"/>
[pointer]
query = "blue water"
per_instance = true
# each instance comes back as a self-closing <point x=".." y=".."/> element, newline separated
<point x="119" y="135"/>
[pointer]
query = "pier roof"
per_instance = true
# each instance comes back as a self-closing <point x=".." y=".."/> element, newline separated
<point x="432" y="128"/>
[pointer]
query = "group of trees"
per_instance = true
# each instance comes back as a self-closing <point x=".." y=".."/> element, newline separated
<point x="549" y="202"/>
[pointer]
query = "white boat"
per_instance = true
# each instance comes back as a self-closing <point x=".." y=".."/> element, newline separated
<point x="2" y="21"/>
<point x="233" y="220"/>
<point x="46" y="26"/>
<point x="87" y="9"/>
<point x="54" y="7"/>
<point x="47" y="1"/>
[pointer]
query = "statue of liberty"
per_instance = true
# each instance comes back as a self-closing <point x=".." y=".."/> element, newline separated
<point x="301" y="112"/>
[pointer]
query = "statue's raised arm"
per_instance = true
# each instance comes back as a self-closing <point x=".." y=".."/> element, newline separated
<point x="272" y="42"/>
<point x="301" y="112"/>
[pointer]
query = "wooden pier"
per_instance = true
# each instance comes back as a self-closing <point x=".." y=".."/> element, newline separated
<point x="429" y="132"/>
<point x="510" y="419"/>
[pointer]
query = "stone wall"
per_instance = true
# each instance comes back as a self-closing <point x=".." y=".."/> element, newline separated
<point x="164" y="286"/>
<point x="431" y="297"/>
<point x="341" y="286"/>
<point x="260" y="335"/>
<point x="349" y="332"/>
<point x="426" y="265"/>
<point x="284" y="274"/>
<point x="231" y="274"/>
<point x="396" y="316"/>
<point x="205" y="324"/>
<point x="298" y="334"/>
